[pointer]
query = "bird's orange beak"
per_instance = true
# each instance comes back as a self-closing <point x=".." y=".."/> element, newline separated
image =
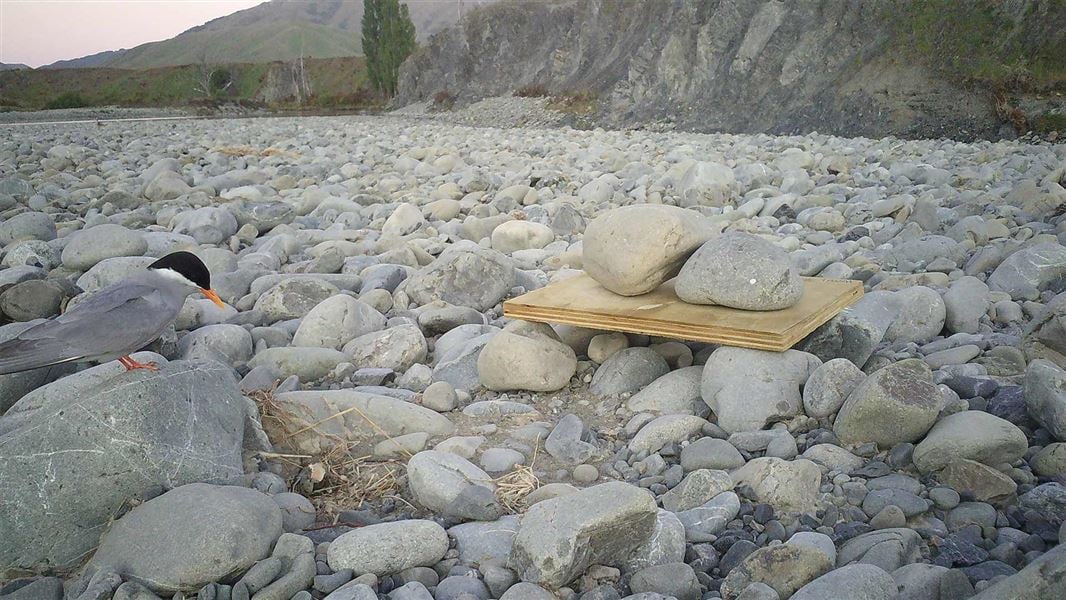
<point x="213" y="296"/>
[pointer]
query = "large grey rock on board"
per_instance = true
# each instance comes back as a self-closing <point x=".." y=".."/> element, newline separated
<point x="464" y="275"/>
<point x="829" y="386"/>
<point x="1045" y="396"/>
<point x="784" y="567"/>
<point x="388" y="548"/>
<point x="973" y="435"/>
<point x="628" y="370"/>
<point x="336" y="321"/>
<point x="559" y="538"/>
<point x="898" y="403"/>
<point x="787" y="485"/>
<point x="740" y="270"/>
<point x="676" y="393"/>
<point x="633" y="249"/>
<point x="748" y="389"/>
<point x="1043" y="578"/>
<point x="1032" y="270"/>
<point x="228" y="527"/>
<point x="27" y="226"/>
<point x="452" y="486"/>
<point x="64" y="474"/>
<point x="526" y="356"/>
<point x="389" y="416"/>
<point x="89" y="246"/>
<point x="853" y="582"/>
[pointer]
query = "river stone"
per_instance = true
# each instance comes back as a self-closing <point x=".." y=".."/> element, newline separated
<point x="1045" y="396"/>
<point x="697" y="488"/>
<point x="982" y="482"/>
<point x="829" y="386"/>
<point x="784" y="567"/>
<point x="396" y="348"/>
<point x="853" y="582"/>
<point x="61" y="490"/>
<point x="485" y="542"/>
<point x="898" y="403"/>
<point x="921" y="317"/>
<point x="1030" y="271"/>
<point x="33" y="299"/>
<point x="665" y="429"/>
<point x="230" y="527"/>
<point x="349" y="416"/>
<point x="631" y="250"/>
<point x="309" y="364"/>
<point x="404" y="220"/>
<point x="464" y="275"/>
<point x="740" y="270"/>
<point x="89" y="246"/>
<point x="888" y="549"/>
<point x="293" y="298"/>
<point x="27" y="226"/>
<point x="526" y="357"/>
<point x="666" y="544"/>
<point x="748" y="389"/>
<point x="628" y="370"/>
<point x="336" y="321"/>
<point x="521" y="235"/>
<point x="973" y="435"/>
<point x="676" y="393"/>
<point x="452" y="486"/>
<point x="559" y="538"/>
<point x="388" y="548"/>
<point x="1045" y="577"/>
<point x="789" y="486"/>
<point x="676" y="580"/>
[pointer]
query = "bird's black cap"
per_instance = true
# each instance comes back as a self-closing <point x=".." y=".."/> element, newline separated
<point x="188" y="265"/>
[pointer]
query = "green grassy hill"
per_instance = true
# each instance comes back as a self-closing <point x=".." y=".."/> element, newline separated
<point x="336" y="82"/>
<point x="257" y="42"/>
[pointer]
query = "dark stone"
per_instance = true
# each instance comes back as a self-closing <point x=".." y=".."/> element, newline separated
<point x="1008" y="403"/>
<point x="872" y="469"/>
<point x="763" y="513"/>
<point x="901" y="455"/>
<point x="736" y="553"/>
<point x="988" y="570"/>
<point x="601" y="592"/>
<point x="972" y="387"/>
<point x="955" y="551"/>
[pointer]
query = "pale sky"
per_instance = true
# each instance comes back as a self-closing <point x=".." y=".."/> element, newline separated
<point x="40" y="32"/>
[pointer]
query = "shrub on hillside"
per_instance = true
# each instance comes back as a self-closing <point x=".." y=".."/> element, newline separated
<point x="444" y="99"/>
<point x="533" y="90"/>
<point x="67" y="100"/>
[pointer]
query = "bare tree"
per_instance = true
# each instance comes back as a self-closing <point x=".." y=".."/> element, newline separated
<point x="208" y="82"/>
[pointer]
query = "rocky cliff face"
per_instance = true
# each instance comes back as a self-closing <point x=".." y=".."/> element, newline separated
<point x="706" y="65"/>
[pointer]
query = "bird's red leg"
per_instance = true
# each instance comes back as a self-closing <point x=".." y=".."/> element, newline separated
<point x="132" y="365"/>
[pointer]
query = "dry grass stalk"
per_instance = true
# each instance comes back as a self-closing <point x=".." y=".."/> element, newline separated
<point x="335" y="480"/>
<point x="250" y="151"/>
<point x="512" y="488"/>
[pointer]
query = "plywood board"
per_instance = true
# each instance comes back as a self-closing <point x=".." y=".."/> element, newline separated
<point x="583" y="302"/>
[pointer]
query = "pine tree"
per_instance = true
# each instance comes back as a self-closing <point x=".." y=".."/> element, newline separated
<point x="388" y="39"/>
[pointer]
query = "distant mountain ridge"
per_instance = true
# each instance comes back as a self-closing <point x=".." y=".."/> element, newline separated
<point x="277" y="30"/>
<point x="13" y="66"/>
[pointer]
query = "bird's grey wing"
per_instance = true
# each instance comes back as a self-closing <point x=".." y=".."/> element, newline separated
<point x="117" y="320"/>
